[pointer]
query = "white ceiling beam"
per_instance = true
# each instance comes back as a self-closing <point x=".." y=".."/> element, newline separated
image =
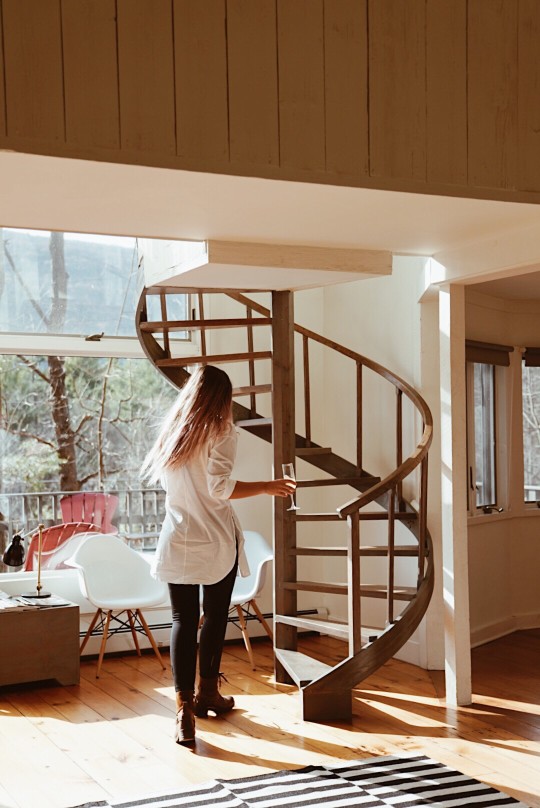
<point x="255" y="266"/>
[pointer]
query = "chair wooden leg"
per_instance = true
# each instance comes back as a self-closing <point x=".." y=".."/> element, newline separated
<point x="262" y="621"/>
<point x="90" y="630"/>
<point x="245" y="635"/>
<point x="103" y="641"/>
<point x="150" y="636"/>
<point x="133" y="631"/>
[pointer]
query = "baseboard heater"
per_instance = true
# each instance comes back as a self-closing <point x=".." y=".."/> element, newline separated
<point x="168" y="625"/>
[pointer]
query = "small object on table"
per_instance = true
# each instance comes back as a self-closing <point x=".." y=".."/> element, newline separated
<point x="14" y="557"/>
<point x="39" y="593"/>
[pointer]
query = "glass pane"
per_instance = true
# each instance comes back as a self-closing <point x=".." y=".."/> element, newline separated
<point x="74" y="423"/>
<point x="531" y="433"/>
<point x="484" y="434"/>
<point x="70" y="283"/>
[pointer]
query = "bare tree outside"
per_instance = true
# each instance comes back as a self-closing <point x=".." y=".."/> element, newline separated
<point x="73" y="422"/>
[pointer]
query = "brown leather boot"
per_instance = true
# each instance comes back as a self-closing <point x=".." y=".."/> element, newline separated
<point x="184" y="732"/>
<point x="209" y="698"/>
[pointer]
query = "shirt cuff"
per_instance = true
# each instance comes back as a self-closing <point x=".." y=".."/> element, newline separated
<point x="228" y="488"/>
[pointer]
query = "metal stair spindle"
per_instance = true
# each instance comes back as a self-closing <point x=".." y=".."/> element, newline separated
<point x="163" y="305"/>
<point x="399" y="440"/>
<point x="391" y="556"/>
<point x="307" y="391"/>
<point x="359" y="416"/>
<point x="200" y="300"/>
<point x="353" y="578"/>
<point x="251" y="364"/>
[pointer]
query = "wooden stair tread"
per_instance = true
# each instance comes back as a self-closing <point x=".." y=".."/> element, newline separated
<point x="251" y="422"/>
<point x="375" y="550"/>
<point x="214" y="359"/>
<point x="308" y="451"/>
<point x="380" y="591"/>
<point x="152" y="326"/>
<point x="331" y="627"/>
<point x="252" y="388"/>
<point x="302" y="668"/>
<point x="364" y="479"/>
<point x="313" y="586"/>
<point x="405" y="516"/>
<point x="332" y="516"/>
<point x="366" y="591"/>
<point x="399" y="550"/>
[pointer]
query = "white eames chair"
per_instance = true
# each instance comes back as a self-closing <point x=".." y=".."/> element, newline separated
<point x="260" y="557"/>
<point x="117" y="581"/>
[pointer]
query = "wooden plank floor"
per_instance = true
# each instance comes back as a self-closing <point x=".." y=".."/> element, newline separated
<point x="112" y="737"/>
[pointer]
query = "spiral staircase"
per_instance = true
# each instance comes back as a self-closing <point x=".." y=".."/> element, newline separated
<point x="399" y="497"/>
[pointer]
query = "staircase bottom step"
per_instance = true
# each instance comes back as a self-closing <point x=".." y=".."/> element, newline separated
<point x="329" y="627"/>
<point x="300" y="667"/>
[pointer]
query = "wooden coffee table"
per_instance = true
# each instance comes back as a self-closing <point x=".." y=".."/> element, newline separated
<point x="39" y="644"/>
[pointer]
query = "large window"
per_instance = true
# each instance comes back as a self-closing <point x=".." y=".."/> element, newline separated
<point x="72" y="283"/>
<point x="79" y="402"/>
<point x="482" y="442"/>
<point x="487" y="377"/>
<point x="70" y="423"/>
<point x="531" y="425"/>
<point x="61" y="283"/>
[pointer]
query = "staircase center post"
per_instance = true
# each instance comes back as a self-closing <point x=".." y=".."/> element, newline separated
<point x="284" y="442"/>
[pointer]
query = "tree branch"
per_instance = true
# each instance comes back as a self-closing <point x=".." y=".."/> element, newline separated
<point x="22" y="434"/>
<point x="35" y="368"/>
<point x="96" y="473"/>
<point x="84" y="480"/>
<point x="82" y="422"/>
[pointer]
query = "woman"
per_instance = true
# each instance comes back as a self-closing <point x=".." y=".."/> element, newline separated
<point x="201" y="541"/>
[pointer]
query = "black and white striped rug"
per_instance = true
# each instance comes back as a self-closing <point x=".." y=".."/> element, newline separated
<point x="371" y="783"/>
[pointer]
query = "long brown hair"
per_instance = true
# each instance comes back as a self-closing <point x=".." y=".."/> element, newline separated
<point x="200" y="414"/>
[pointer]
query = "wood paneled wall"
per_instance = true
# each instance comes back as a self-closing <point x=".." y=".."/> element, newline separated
<point x="440" y="96"/>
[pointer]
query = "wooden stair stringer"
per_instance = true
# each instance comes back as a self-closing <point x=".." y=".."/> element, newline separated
<point x="350" y="672"/>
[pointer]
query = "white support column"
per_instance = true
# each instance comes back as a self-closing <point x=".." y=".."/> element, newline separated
<point x="430" y="635"/>
<point x="454" y="495"/>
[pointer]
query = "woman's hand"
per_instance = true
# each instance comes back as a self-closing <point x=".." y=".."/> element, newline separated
<point x="283" y="487"/>
<point x="275" y="488"/>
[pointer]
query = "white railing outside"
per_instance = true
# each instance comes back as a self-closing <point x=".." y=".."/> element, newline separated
<point x="138" y="517"/>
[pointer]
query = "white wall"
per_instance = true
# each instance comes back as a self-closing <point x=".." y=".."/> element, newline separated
<point x="504" y="549"/>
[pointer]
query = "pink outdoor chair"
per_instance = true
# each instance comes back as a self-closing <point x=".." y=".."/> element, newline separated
<point x="91" y="506"/>
<point x="52" y="538"/>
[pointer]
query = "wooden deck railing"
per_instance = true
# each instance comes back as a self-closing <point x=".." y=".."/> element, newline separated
<point x="140" y="510"/>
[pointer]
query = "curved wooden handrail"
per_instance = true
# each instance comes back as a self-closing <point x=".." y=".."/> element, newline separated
<point x="387" y="483"/>
<point x="355" y="668"/>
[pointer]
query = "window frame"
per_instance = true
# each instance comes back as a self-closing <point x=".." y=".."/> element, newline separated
<point x="472" y="506"/>
<point x="534" y="504"/>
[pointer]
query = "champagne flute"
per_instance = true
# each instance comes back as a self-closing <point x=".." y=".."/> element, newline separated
<point x="288" y="473"/>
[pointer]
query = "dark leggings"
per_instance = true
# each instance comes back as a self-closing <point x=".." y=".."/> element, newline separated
<point x="186" y="610"/>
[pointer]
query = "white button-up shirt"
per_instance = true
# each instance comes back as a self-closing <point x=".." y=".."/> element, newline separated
<point x="197" y="543"/>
